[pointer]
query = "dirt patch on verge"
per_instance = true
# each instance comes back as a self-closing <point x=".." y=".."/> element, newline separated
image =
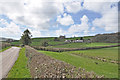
<point x="42" y="66"/>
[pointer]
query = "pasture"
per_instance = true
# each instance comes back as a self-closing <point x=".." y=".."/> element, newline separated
<point x="39" y="41"/>
<point x="100" y="61"/>
<point x="109" y="70"/>
<point x="15" y="43"/>
<point x="50" y="40"/>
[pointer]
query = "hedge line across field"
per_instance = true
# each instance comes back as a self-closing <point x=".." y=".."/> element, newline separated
<point x="70" y="49"/>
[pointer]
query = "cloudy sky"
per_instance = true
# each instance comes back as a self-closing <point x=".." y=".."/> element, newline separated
<point x="49" y="18"/>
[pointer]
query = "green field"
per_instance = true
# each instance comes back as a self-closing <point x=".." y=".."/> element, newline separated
<point x="107" y="53"/>
<point x="82" y="45"/>
<point x="109" y="70"/>
<point x="16" y="43"/>
<point x="20" y="70"/>
<point x="50" y="40"/>
<point x="39" y="41"/>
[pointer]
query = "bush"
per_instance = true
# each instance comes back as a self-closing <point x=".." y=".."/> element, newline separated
<point x="45" y="44"/>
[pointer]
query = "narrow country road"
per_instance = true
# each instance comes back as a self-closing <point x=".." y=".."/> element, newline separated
<point x="7" y="60"/>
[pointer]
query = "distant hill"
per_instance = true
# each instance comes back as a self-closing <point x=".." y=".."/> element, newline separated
<point x="109" y="38"/>
<point x="6" y="39"/>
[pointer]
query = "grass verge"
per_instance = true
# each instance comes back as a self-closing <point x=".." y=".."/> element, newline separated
<point x="20" y="70"/>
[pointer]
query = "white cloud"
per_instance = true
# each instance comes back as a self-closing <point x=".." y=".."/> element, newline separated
<point x="10" y="29"/>
<point x="93" y="29"/>
<point x="66" y="20"/>
<point x="60" y="32"/>
<point x="109" y="20"/>
<point x="73" y="7"/>
<point x="101" y="0"/>
<point x="32" y="13"/>
<point x="38" y="13"/>
<point x="77" y="28"/>
<point x="35" y="33"/>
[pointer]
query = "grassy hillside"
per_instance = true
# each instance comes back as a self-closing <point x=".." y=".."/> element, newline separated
<point x="58" y="44"/>
<point x="109" y="70"/>
<point x="50" y="40"/>
<point x="39" y="41"/>
<point x="16" y="43"/>
<point x="62" y="44"/>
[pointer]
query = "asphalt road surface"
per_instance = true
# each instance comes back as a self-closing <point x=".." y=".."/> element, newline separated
<point x="7" y="60"/>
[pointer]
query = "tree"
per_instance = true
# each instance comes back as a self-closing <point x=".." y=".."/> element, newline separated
<point x="26" y="37"/>
<point x="9" y="40"/>
<point x="81" y="38"/>
<point x="45" y="44"/>
<point x="56" y="39"/>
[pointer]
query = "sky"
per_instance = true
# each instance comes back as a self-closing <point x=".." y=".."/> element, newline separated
<point x="52" y="18"/>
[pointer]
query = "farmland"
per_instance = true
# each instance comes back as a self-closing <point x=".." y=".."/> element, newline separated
<point x="99" y="60"/>
<point x="62" y="44"/>
<point x="50" y="40"/>
<point x="109" y="70"/>
<point x="15" y="43"/>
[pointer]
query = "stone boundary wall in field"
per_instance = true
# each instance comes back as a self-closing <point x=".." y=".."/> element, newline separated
<point x="42" y="66"/>
<point x="71" y="49"/>
<point x="97" y="58"/>
<point x="4" y="45"/>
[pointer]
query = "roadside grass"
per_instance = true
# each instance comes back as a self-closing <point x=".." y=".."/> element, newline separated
<point x="4" y="49"/>
<point x="109" y="70"/>
<point x="20" y="70"/>
<point x="82" y="45"/>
